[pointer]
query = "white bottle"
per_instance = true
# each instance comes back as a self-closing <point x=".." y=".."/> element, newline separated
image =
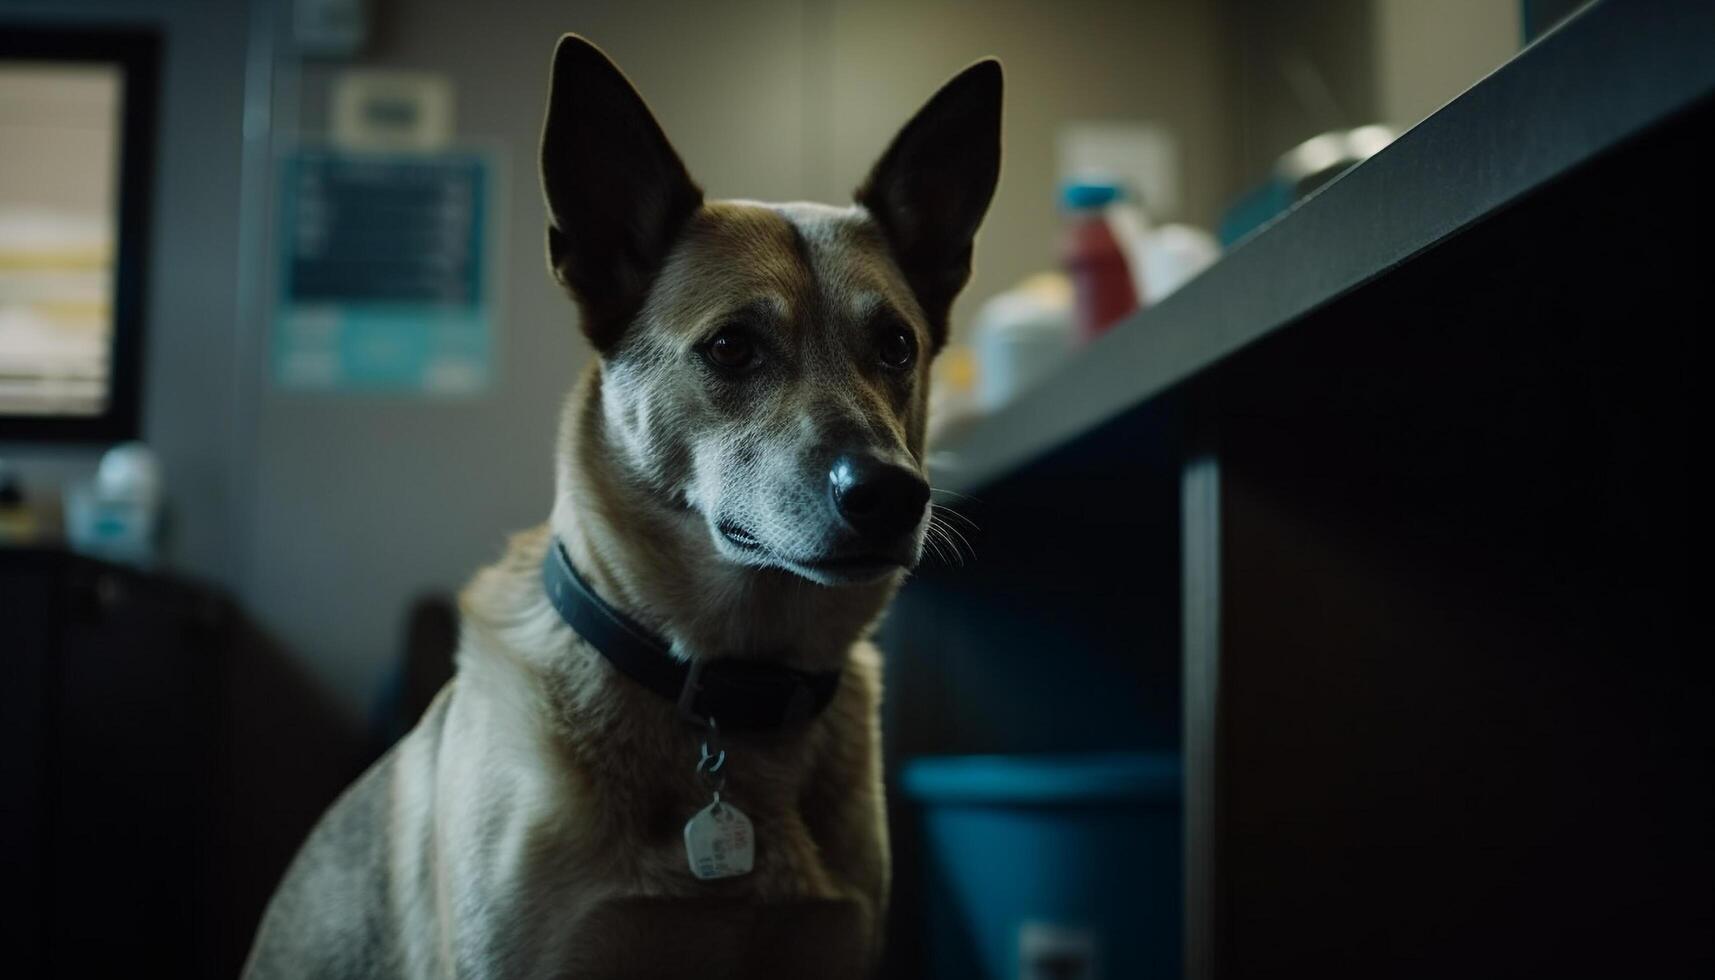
<point x="1022" y="336"/>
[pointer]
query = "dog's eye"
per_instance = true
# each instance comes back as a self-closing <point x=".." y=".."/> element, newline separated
<point x="730" y="351"/>
<point x="897" y="348"/>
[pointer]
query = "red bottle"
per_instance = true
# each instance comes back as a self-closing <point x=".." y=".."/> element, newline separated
<point x="1102" y="288"/>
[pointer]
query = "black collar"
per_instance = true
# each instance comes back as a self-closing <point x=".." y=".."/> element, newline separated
<point x="739" y="695"/>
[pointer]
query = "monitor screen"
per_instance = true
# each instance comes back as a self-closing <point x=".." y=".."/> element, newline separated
<point x="73" y="138"/>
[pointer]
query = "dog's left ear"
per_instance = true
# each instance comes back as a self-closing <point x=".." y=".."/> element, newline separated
<point x="617" y="193"/>
<point x="931" y="188"/>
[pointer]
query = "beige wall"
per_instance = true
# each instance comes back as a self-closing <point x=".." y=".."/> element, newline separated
<point x="1160" y="61"/>
<point x="326" y="514"/>
<point x="1296" y="68"/>
<point x="361" y="502"/>
<point x="1427" y="53"/>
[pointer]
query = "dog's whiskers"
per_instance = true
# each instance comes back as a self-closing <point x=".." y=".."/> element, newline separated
<point x="951" y="545"/>
<point x="955" y="557"/>
<point x="961" y="546"/>
<point x="934" y="546"/>
<point x="950" y="512"/>
<point x="937" y="541"/>
<point x="955" y="493"/>
<point x="958" y="539"/>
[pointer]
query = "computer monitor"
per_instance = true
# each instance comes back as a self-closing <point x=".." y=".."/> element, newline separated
<point x="77" y="146"/>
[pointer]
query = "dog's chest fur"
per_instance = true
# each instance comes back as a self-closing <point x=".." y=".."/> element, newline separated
<point x="601" y="820"/>
<point x="536" y="813"/>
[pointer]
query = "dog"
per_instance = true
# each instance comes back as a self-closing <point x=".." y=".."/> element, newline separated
<point x="660" y="755"/>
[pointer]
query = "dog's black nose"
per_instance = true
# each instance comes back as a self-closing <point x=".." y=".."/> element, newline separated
<point x="877" y="499"/>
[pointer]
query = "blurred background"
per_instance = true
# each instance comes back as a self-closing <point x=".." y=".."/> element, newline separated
<point x="287" y="256"/>
<point x="325" y="512"/>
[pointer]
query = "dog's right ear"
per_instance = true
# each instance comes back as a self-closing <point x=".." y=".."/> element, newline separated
<point x="617" y="193"/>
<point x="931" y="188"/>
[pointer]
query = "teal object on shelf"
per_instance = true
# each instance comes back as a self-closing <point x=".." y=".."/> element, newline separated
<point x="1051" y="866"/>
<point x="1298" y="173"/>
<point x="1256" y="208"/>
<point x="1085" y="195"/>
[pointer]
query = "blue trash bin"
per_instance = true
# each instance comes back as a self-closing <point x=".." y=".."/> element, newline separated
<point x="1051" y="866"/>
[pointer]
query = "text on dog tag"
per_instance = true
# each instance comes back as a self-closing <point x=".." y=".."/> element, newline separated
<point x="719" y="842"/>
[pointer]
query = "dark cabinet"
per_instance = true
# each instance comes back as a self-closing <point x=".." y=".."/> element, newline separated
<point x="111" y="749"/>
<point x="1416" y="465"/>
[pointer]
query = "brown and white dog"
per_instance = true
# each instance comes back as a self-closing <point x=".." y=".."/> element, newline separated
<point x="740" y="474"/>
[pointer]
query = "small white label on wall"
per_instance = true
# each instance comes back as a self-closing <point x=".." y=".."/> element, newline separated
<point x="402" y="111"/>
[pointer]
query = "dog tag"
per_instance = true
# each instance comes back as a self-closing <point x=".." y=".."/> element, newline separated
<point x="719" y="842"/>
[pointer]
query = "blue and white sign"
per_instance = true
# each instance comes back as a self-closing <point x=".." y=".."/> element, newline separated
<point x="385" y="284"/>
